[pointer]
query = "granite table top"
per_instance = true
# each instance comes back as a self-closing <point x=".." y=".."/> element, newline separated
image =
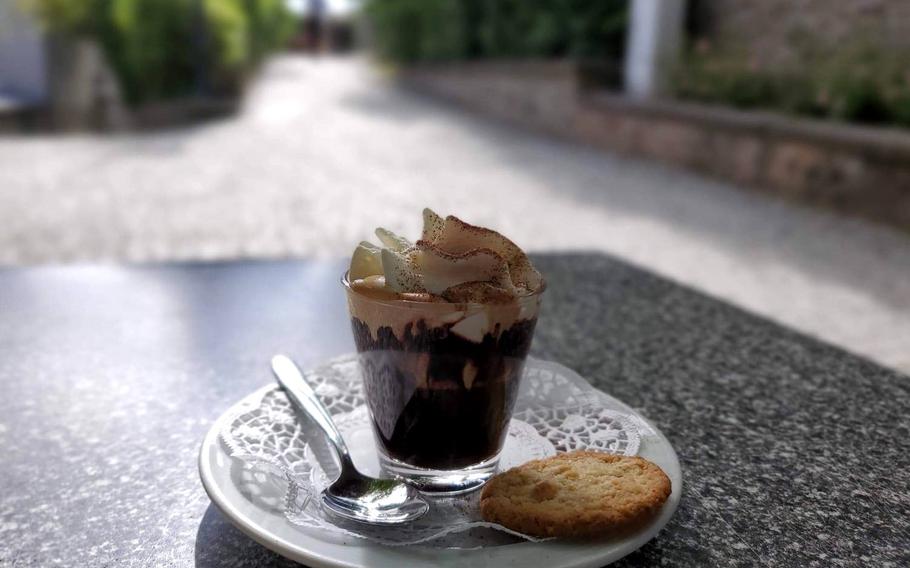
<point x="794" y="453"/>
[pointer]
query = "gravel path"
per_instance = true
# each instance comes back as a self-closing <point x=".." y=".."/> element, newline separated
<point x="326" y="150"/>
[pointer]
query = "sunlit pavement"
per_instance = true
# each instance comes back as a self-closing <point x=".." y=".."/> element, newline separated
<point x="328" y="149"/>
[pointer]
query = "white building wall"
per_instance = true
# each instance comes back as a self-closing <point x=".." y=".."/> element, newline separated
<point x="22" y="55"/>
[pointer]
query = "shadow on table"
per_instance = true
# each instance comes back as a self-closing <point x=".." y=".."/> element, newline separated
<point x="219" y="543"/>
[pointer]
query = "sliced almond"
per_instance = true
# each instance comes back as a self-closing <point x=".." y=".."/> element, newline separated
<point x="393" y="241"/>
<point x="432" y="226"/>
<point x="366" y="261"/>
<point x="401" y="271"/>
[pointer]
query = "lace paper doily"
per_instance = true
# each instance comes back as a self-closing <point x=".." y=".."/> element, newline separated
<point x="284" y="462"/>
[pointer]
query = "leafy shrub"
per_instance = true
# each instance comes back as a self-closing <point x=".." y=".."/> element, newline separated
<point x="144" y="41"/>
<point x="854" y="82"/>
<point x="169" y="48"/>
<point x="418" y="30"/>
<point x="269" y="26"/>
<point x="228" y="44"/>
<point x="434" y="30"/>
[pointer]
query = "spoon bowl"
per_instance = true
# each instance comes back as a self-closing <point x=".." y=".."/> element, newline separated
<point x="352" y="495"/>
<point x="382" y="501"/>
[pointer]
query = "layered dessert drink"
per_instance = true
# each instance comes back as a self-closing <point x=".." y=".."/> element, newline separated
<point x="443" y="327"/>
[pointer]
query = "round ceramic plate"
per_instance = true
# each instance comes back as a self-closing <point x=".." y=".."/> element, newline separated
<point x="271" y="528"/>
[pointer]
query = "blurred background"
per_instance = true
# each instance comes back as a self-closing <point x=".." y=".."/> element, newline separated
<point x="756" y="150"/>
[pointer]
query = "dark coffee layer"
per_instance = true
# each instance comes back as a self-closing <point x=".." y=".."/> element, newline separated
<point x="440" y="401"/>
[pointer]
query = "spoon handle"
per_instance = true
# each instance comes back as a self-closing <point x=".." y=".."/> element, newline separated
<point x="302" y="396"/>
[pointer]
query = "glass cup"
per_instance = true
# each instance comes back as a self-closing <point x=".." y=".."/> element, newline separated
<point x="440" y="381"/>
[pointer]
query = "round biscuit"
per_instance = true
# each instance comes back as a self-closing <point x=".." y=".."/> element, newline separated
<point x="576" y="494"/>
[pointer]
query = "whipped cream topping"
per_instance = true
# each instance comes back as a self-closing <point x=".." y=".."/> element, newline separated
<point x="451" y="262"/>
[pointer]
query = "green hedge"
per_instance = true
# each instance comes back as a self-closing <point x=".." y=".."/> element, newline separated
<point x="854" y="81"/>
<point x="409" y="31"/>
<point x="170" y="48"/>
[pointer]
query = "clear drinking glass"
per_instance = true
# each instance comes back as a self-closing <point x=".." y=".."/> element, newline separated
<point x="441" y="380"/>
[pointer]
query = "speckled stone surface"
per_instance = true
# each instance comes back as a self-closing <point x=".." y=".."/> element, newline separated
<point x="794" y="453"/>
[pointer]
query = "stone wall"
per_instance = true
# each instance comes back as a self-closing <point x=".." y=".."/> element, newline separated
<point x="855" y="170"/>
<point x="771" y="30"/>
<point x="541" y="94"/>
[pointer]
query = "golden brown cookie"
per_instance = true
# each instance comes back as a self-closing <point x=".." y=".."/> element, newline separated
<point x="576" y="494"/>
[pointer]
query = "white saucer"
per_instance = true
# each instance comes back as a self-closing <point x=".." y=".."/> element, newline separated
<point x="268" y="526"/>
